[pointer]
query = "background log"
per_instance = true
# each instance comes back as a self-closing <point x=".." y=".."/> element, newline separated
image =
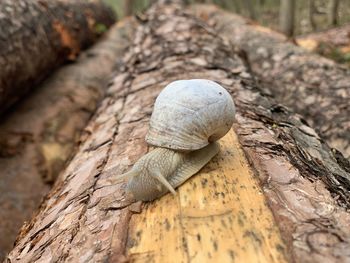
<point x="86" y="218"/>
<point x="37" y="36"/>
<point x="43" y="131"/>
<point x="311" y="85"/>
<point x="334" y="42"/>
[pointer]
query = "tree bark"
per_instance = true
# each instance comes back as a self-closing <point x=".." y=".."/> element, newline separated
<point x="42" y="133"/>
<point x="287" y="14"/>
<point x="311" y="85"/>
<point x="37" y="36"/>
<point x="250" y="8"/>
<point x="127" y="7"/>
<point x="218" y="214"/>
<point x="333" y="12"/>
<point x="337" y="37"/>
<point x="312" y="12"/>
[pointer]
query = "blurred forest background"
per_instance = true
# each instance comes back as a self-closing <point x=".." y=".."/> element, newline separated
<point x="310" y="15"/>
<point x="295" y="18"/>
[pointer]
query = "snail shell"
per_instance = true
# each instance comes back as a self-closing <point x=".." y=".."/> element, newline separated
<point x="189" y="116"/>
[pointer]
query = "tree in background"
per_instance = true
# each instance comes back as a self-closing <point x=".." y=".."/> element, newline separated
<point x="249" y="5"/>
<point x="127" y="7"/>
<point x="312" y="11"/>
<point x="333" y="12"/>
<point x="307" y="15"/>
<point x="287" y="14"/>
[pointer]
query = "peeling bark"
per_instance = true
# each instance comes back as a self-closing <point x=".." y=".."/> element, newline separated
<point x="37" y="36"/>
<point x="42" y="133"/>
<point x="311" y="85"/>
<point x="86" y="217"/>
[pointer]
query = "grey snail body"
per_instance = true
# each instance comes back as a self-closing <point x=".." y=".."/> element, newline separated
<point x="189" y="116"/>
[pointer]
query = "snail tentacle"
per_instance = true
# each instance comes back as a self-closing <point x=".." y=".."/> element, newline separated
<point x="123" y="177"/>
<point x="128" y="175"/>
<point x="163" y="181"/>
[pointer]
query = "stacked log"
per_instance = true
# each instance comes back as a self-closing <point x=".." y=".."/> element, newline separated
<point x="38" y="36"/>
<point x="43" y="131"/>
<point x="311" y="85"/>
<point x="334" y="38"/>
<point x="287" y="202"/>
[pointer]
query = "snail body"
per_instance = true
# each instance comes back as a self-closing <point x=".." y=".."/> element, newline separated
<point x="189" y="116"/>
<point x="162" y="170"/>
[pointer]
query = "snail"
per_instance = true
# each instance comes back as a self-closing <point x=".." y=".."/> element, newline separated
<point x="189" y="116"/>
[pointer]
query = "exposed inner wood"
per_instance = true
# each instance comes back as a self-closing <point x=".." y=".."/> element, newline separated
<point x="219" y="214"/>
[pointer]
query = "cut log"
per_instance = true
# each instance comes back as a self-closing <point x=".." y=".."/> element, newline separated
<point x="278" y="207"/>
<point x="337" y="37"/>
<point x="41" y="134"/>
<point x="38" y="36"/>
<point x="311" y="85"/>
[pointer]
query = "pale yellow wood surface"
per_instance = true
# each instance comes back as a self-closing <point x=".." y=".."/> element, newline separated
<point x="219" y="215"/>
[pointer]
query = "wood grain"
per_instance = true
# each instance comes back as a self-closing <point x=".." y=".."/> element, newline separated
<point x="220" y="214"/>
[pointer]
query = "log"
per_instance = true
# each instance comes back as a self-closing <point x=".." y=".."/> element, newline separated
<point x="42" y="133"/>
<point x="276" y="206"/>
<point x="311" y="85"/>
<point x="38" y="36"/>
<point x="334" y="38"/>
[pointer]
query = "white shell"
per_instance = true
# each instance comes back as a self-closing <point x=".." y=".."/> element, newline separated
<point x="188" y="114"/>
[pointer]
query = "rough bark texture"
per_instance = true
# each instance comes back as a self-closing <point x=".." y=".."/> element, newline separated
<point x="37" y="36"/>
<point x="333" y="12"/>
<point x="311" y="85"/>
<point x="41" y="134"/>
<point x="86" y="218"/>
<point x="287" y="14"/>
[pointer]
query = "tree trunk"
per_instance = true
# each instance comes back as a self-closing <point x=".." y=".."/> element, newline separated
<point x="237" y="6"/>
<point x="250" y="8"/>
<point x="287" y="14"/>
<point x="333" y="12"/>
<point x="312" y="11"/>
<point x="41" y="134"/>
<point x="219" y="214"/>
<point x="311" y="85"/>
<point x="127" y="7"/>
<point x="37" y="36"/>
